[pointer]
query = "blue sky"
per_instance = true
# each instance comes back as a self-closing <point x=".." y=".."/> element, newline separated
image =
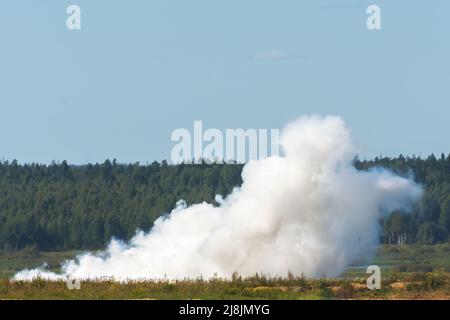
<point x="137" y="70"/>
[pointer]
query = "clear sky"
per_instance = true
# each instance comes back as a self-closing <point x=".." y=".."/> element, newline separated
<point x="139" y="69"/>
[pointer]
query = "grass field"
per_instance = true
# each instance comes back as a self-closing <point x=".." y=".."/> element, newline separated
<point x="12" y="262"/>
<point x="408" y="272"/>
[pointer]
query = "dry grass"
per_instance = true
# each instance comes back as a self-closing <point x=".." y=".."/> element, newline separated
<point x="396" y="286"/>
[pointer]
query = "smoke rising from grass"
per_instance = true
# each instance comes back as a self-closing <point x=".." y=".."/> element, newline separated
<point x="308" y="211"/>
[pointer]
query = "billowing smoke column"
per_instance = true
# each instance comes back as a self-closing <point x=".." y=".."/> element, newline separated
<point x="308" y="212"/>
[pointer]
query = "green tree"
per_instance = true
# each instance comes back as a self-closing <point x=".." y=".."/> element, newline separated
<point x="430" y="233"/>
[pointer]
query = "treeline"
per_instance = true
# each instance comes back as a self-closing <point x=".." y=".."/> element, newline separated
<point x="59" y="207"/>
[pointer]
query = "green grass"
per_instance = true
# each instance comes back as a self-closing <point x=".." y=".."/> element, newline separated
<point x="406" y="258"/>
<point x="12" y="262"/>
<point x="397" y="286"/>
<point x="408" y="272"/>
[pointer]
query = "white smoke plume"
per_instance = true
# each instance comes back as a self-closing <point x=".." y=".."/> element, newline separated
<point x="308" y="211"/>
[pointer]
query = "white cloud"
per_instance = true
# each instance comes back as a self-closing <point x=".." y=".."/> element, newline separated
<point x="273" y="54"/>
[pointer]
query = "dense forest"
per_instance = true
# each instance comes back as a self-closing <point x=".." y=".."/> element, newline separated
<point x="60" y="206"/>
